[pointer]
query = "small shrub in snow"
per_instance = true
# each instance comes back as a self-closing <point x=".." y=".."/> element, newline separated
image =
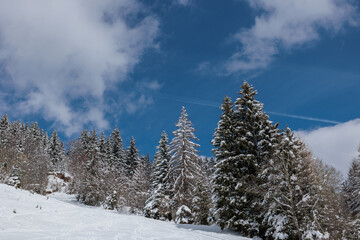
<point x="111" y="201"/>
<point x="184" y="215"/>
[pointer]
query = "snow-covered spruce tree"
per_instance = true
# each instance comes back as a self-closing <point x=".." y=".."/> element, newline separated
<point x="103" y="151"/>
<point x="117" y="150"/>
<point x="4" y="135"/>
<point x="296" y="206"/>
<point x="117" y="160"/>
<point x="224" y="181"/>
<point x="243" y="141"/>
<point x="132" y="157"/>
<point x="35" y="131"/>
<point x="90" y="191"/>
<point x="46" y="142"/>
<point x="209" y="164"/>
<point x="351" y="189"/>
<point x="9" y="152"/>
<point x="57" y="154"/>
<point x="184" y="167"/>
<point x="201" y="202"/>
<point x="351" y="194"/>
<point x="140" y="184"/>
<point x="158" y="204"/>
<point x="126" y="189"/>
<point x="4" y="130"/>
<point x="107" y="182"/>
<point x="255" y="136"/>
<point x="331" y="214"/>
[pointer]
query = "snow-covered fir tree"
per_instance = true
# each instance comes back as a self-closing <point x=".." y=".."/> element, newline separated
<point x="117" y="150"/>
<point x="35" y="131"/>
<point x="224" y="151"/>
<point x="332" y="216"/>
<point x="201" y="202"/>
<point x="184" y="165"/>
<point x="4" y="135"/>
<point x="140" y="184"/>
<point x="103" y="153"/>
<point x="90" y="191"/>
<point x="351" y="193"/>
<point x="4" y="130"/>
<point x="253" y="141"/>
<point x="132" y="157"/>
<point x="158" y="204"/>
<point x="57" y="153"/>
<point x="243" y="141"/>
<point x="46" y="142"/>
<point x="351" y="189"/>
<point x="295" y="207"/>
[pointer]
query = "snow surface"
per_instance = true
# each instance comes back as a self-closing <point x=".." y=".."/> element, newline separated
<point x="24" y="215"/>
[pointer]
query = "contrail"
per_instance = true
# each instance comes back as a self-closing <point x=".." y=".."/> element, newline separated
<point x="188" y="100"/>
<point x="304" y="117"/>
<point x="217" y="105"/>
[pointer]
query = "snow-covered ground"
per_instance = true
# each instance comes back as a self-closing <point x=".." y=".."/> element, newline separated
<point x="30" y="216"/>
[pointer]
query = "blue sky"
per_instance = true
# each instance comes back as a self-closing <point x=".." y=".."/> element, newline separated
<point x="88" y="64"/>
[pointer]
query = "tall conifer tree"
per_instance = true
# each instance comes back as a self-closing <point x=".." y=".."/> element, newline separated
<point x="132" y="158"/>
<point x="158" y="204"/>
<point x="184" y="165"/>
<point x="57" y="153"/>
<point x="243" y="142"/>
<point x="224" y="151"/>
<point x="296" y="202"/>
<point x="351" y="189"/>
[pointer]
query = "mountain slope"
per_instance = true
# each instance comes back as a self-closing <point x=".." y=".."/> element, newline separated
<point x="30" y="216"/>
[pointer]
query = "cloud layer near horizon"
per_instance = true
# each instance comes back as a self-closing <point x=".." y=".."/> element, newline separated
<point x="336" y="145"/>
<point x="281" y="25"/>
<point x="59" y="57"/>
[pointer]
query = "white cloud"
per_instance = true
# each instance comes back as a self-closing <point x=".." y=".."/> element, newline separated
<point x="336" y="145"/>
<point x="59" y="54"/>
<point x="150" y="85"/>
<point x="134" y="102"/>
<point x="287" y="24"/>
<point x="183" y="2"/>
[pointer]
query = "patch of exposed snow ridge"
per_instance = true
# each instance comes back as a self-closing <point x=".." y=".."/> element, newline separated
<point x="60" y="217"/>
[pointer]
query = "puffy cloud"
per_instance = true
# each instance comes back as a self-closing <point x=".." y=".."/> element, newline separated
<point x="60" y="56"/>
<point x="287" y="24"/>
<point x="336" y="145"/>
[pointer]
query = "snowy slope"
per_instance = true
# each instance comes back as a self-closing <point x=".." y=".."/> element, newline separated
<point x="61" y="217"/>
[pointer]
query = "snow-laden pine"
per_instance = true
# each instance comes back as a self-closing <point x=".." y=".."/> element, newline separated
<point x="185" y="170"/>
<point x="158" y="204"/>
<point x="243" y="146"/>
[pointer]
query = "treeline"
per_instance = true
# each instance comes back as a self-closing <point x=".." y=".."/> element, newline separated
<point x="263" y="182"/>
<point x="27" y="155"/>
<point x="175" y="187"/>
<point x="104" y="173"/>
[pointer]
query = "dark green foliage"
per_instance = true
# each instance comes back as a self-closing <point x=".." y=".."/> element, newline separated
<point x="243" y="141"/>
